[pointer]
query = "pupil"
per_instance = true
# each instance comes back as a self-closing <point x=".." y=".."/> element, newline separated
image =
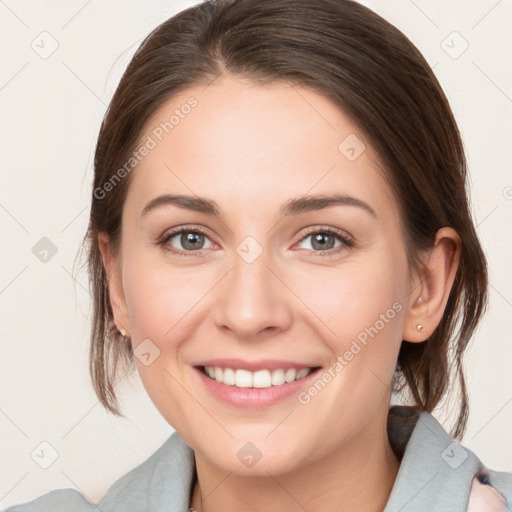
<point x="320" y="240"/>
<point x="190" y="240"/>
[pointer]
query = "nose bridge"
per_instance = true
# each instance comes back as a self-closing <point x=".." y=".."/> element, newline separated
<point x="252" y="298"/>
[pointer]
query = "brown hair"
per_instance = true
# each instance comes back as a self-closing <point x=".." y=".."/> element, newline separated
<point x="367" y="67"/>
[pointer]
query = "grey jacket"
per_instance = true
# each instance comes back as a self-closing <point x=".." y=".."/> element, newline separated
<point x="436" y="474"/>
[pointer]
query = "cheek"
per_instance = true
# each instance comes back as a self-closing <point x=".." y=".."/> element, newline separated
<point x="356" y="300"/>
<point x="160" y="299"/>
<point x="163" y="308"/>
<point x="359" y="312"/>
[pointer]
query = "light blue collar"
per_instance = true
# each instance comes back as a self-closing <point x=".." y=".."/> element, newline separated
<point x="435" y="475"/>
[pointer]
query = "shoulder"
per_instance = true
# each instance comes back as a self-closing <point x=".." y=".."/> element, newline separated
<point x="166" y="475"/>
<point x="60" y="500"/>
<point x="439" y="473"/>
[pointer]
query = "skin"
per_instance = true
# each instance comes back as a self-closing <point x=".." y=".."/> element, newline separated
<point x="251" y="148"/>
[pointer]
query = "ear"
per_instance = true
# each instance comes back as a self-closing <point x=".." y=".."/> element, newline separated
<point x="115" y="284"/>
<point x="431" y="286"/>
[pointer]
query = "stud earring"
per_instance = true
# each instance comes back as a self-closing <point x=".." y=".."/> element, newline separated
<point x="122" y="331"/>
<point x="420" y="328"/>
<point x="419" y="301"/>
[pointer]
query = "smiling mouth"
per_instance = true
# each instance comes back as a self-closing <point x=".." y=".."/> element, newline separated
<point x="259" y="379"/>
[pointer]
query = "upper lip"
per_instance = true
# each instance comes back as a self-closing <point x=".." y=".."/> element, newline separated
<point x="266" y="364"/>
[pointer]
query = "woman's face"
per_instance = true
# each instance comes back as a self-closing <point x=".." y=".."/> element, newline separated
<point x="274" y="281"/>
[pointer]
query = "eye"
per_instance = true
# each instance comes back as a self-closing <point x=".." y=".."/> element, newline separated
<point x="324" y="241"/>
<point x="192" y="241"/>
<point x="189" y="240"/>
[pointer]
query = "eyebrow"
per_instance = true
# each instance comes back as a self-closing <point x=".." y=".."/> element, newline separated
<point x="291" y="207"/>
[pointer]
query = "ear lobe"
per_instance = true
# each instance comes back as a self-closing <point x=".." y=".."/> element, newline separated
<point x="431" y="289"/>
<point x="115" y="283"/>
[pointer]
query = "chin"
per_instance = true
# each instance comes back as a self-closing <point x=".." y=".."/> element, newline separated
<point x="260" y="457"/>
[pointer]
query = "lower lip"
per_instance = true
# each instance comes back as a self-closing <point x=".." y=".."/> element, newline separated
<point x="254" y="397"/>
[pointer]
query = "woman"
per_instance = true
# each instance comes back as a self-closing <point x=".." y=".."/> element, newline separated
<point x="279" y="238"/>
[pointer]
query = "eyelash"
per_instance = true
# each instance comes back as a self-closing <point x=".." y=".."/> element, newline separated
<point x="347" y="241"/>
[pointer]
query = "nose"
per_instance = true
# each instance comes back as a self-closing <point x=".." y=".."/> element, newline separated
<point x="252" y="301"/>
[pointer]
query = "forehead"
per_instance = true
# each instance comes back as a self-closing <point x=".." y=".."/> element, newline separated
<point x="242" y="143"/>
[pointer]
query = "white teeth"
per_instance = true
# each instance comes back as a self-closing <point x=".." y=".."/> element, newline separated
<point x="243" y="378"/>
<point x="259" y="379"/>
<point x="302" y="373"/>
<point x="229" y="377"/>
<point x="290" y="375"/>
<point x="278" y="377"/>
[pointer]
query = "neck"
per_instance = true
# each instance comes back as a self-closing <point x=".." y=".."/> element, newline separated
<point x="355" y="477"/>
